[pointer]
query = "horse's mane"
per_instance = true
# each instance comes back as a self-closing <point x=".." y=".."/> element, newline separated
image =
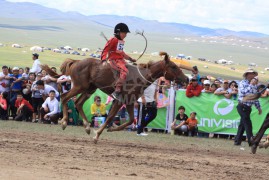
<point x="66" y="66"/>
<point x="151" y="62"/>
<point x="49" y="71"/>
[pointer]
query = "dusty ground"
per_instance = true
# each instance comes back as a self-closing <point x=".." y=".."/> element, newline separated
<point x="33" y="155"/>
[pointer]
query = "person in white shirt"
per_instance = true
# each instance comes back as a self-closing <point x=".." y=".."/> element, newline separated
<point x="50" y="109"/>
<point x="65" y="82"/>
<point x="36" y="65"/>
<point x="4" y="79"/>
<point x="148" y="108"/>
<point x="44" y="89"/>
<point x="224" y="90"/>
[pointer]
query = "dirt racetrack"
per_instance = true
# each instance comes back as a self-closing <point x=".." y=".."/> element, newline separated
<point x="26" y="154"/>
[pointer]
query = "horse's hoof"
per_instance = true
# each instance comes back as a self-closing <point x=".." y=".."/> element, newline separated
<point x="253" y="148"/>
<point x="95" y="140"/>
<point x="261" y="145"/>
<point x="110" y="129"/>
<point x="266" y="144"/>
<point x="88" y="130"/>
<point x="64" y="125"/>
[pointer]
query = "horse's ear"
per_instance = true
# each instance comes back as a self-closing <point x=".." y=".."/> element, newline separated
<point x="166" y="56"/>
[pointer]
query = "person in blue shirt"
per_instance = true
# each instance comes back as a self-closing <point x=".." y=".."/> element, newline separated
<point x="15" y="87"/>
<point x="246" y="87"/>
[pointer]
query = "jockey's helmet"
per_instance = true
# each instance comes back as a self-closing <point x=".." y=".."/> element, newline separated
<point x="121" y="27"/>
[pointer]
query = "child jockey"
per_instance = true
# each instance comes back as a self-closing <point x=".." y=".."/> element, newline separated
<point x="113" y="51"/>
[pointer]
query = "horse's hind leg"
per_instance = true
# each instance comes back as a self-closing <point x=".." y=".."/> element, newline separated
<point x="255" y="142"/>
<point x="79" y="105"/>
<point x="130" y="109"/>
<point x="65" y="98"/>
<point x="113" y="111"/>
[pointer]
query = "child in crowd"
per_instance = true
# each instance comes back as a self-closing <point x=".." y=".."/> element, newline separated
<point x="72" y="112"/>
<point x="98" y="109"/>
<point x="213" y="87"/>
<point x="24" y="109"/>
<point x="50" y="109"/>
<point x="191" y="123"/>
<point x="180" y="118"/>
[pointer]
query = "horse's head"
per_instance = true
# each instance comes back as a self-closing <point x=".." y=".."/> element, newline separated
<point x="172" y="71"/>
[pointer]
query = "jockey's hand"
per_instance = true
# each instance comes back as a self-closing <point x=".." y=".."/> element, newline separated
<point x="132" y="60"/>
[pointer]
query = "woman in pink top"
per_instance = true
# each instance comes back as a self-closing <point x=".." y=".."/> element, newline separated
<point x="3" y="105"/>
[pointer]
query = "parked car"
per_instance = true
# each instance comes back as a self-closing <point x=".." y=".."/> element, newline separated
<point x="65" y="52"/>
<point x="201" y="59"/>
<point x="75" y="53"/>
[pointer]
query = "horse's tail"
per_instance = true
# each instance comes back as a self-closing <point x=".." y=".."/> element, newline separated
<point x="166" y="56"/>
<point x="50" y="71"/>
<point x="67" y="65"/>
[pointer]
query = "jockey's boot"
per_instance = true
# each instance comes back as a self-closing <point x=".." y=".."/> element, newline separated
<point x="116" y="93"/>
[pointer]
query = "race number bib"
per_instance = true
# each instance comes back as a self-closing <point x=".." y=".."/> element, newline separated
<point x="120" y="45"/>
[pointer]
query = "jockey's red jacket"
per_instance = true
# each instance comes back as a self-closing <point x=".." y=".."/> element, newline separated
<point x="113" y="49"/>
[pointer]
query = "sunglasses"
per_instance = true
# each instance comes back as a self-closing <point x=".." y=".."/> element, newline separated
<point x="225" y="83"/>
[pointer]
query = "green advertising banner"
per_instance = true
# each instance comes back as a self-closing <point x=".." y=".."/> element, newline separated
<point x="216" y="114"/>
<point x="158" y="123"/>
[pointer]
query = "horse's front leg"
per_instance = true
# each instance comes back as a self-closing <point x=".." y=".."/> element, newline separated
<point x="65" y="98"/>
<point x="130" y="109"/>
<point x="113" y="111"/>
<point x="79" y="105"/>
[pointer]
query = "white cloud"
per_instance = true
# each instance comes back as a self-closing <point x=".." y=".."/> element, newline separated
<point x="243" y="15"/>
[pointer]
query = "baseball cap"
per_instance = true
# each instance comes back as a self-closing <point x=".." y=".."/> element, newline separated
<point x="206" y="82"/>
<point x="35" y="54"/>
<point x="15" y="69"/>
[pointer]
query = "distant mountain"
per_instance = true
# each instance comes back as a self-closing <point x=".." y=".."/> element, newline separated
<point x="26" y="10"/>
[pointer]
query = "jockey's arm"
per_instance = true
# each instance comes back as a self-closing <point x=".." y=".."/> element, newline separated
<point x="128" y="57"/>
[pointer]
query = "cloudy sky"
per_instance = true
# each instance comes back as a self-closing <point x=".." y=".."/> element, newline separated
<point x="238" y="15"/>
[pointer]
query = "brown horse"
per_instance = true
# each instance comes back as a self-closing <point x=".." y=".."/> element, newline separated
<point x="89" y="74"/>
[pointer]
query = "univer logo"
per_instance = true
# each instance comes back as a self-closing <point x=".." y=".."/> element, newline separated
<point x="223" y="107"/>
